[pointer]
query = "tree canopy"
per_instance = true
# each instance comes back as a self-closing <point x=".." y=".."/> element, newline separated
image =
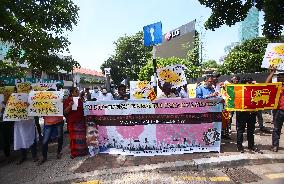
<point x="209" y="64"/>
<point x="230" y="12"/>
<point x="36" y="32"/>
<point x="147" y="71"/>
<point x="246" y="57"/>
<point x="130" y="56"/>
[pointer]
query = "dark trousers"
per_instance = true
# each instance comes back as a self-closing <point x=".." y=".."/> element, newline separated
<point x="47" y="135"/>
<point x="38" y="126"/>
<point x="246" y="119"/>
<point x="278" y="119"/>
<point x="6" y="136"/>
<point x="259" y="119"/>
<point x="33" y="148"/>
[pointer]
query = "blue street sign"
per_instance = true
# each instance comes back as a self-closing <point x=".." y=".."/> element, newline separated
<point x="153" y="34"/>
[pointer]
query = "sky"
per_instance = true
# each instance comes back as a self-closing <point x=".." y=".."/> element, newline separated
<point x="102" y="22"/>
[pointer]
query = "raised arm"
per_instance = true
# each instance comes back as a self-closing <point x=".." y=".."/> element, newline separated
<point x="269" y="77"/>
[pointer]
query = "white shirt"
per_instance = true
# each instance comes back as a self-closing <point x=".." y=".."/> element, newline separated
<point x="24" y="133"/>
<point x="183" y="94"/>
<point x="102" y="97"/>
<point x="95" y="95"/>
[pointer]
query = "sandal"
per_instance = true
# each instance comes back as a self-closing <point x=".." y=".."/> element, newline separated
<point x="59" y="155"/>
<point x="41" y="161"/>
<point x="274" y="149"/>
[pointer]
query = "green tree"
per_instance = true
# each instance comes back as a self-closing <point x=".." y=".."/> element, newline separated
<point x="230" y="12"/>
<point x="209" y="64"/>
<point x="246" y="57"/>
<point x="147" y="71"/>
<point x="8" y="69"/>
<point x="130" y="56"/>
<point x="36" y="32"/>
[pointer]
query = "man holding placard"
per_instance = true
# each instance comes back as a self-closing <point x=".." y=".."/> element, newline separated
<point x="52" y="123"/>
<point x="278" y="117"/>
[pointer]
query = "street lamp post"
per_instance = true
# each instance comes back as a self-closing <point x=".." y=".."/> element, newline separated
<point x="107" y="76"/>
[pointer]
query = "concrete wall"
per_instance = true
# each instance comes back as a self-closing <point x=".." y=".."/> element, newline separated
<point x="258" y="77"/>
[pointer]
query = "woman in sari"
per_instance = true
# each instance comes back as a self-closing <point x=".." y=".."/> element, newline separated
<point x="76" y="124"/>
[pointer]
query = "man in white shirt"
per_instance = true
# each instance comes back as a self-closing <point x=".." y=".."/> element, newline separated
<point x="105" y="95"/>
<point x="95" y="95"/>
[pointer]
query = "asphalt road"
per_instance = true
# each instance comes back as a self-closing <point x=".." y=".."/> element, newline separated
<point x="267" y="173"/>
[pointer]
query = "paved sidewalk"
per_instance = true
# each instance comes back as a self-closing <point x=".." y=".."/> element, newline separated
<point x="86" y="167"/>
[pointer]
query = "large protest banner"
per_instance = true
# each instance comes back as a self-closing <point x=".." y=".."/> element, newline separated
<point x="45" y="103"/>
<point x="160" y="127"/>
<point x="142" y="90"/>
<point x="174" y="75"/>
<point x="252" y="97"/>
<point x="16" y="107"/>
<point x="274" y="56"/>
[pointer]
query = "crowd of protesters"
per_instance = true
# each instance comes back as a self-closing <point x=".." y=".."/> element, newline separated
<point x="24" y="133"/>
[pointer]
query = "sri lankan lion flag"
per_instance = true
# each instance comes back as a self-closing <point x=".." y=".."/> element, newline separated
<point x="251" y="97"/>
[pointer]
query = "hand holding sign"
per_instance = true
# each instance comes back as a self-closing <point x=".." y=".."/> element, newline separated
<point x="75" y="103"/>
<point x="46" y="103"/>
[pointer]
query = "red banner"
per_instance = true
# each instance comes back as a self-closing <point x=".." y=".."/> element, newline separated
<point x="257" y="97"/>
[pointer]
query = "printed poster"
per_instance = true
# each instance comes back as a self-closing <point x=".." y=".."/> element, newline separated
<point x="274" y="56"/>
<point x="45" y="103"/>
<point x="44" y="86"/>
<point x="7" y="91"/>
<point x="24" y="87"/>
<point x="142" y="90"/>
<point x="174" y="74"/>
<point x="16" y="107"/>
<point x="191" y="88"/>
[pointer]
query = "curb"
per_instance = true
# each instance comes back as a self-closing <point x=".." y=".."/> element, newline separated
<point x="195" y="164"/>
<point x="238" y="160"/>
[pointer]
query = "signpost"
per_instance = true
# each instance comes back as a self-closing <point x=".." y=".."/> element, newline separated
<point x="107" y="75"/>
<point x="152" y="37"/>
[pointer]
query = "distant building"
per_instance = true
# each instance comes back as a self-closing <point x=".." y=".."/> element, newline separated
<point x="84" y="78"/>
<point x="249" y="27"/>
<point x="62" y="77"/>
<point x="248" y="30"/>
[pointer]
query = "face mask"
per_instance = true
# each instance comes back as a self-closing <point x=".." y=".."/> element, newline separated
<point x="96" y="90"/>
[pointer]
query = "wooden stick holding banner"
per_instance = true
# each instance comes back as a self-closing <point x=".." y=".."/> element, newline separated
<point x="155" y="69"/>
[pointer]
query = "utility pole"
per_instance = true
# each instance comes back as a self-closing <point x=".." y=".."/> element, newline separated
<point x="107" y="76"/>
<point x="155" y="69"/>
